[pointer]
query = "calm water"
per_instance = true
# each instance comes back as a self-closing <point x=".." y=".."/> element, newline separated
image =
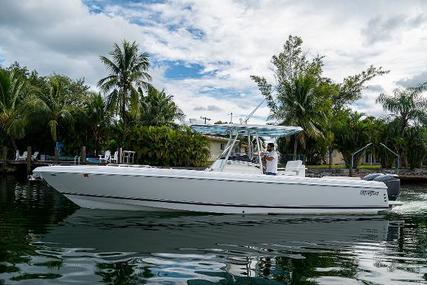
<point x="44" y="239"/>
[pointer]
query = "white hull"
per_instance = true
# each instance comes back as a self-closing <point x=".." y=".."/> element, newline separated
<point x="152" y="189"/>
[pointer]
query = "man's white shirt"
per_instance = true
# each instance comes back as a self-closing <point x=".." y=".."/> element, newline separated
<point x="271" y="165"/>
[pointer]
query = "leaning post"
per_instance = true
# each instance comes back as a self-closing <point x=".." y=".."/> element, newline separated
<point x="29" y="155"/>
<point x="83" y="155"/>
<point x="120" y="155"/>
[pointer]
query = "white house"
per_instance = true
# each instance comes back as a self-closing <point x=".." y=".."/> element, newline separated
<point x="218" y="144"/>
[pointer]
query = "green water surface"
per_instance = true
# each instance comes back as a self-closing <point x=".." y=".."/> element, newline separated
<point x="45" y="239"/>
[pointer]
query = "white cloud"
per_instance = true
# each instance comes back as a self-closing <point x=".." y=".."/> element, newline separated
<point x="235" y="39"/>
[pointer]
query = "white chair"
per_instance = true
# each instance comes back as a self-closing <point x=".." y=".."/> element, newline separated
<point x="21" y="157"/>
<point x="115" y="157"/>
<point x="106" y="157"/>
<point x="294" y="168"/>
<point x="35" y="155"/>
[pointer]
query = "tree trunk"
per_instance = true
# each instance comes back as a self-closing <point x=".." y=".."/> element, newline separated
<point x="56" y="153"/>
<point x="123" y="107"/>
<point x="12" y="140"/>
<point x="330" y="150"/>
<point x="295" y="147"/>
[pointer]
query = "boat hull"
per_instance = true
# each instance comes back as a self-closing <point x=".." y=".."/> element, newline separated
<point x="154" y="189"/>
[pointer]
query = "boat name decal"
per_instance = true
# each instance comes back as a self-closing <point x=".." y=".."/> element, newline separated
<point x="369" y="193"/>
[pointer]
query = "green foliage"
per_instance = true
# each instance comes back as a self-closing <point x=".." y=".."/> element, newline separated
<point x="56" y="104"/>
<point x="351" y="88"/>
<point x="165" y="146"/>
<point x="405" y="133"/>
<point x="12" y="105"/>
<point x="302" y="96"/>
<point x="127" y="72"/>
<point x="416" y="146"/>
<point x="299" y="96"/>
<point x="407" y="105"/>
<point x="157" y="108"/>
<point x="351" y="133"/>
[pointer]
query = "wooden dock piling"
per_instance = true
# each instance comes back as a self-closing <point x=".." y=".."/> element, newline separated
<point x="83" y="155"/>
<point x="29" y="159"/>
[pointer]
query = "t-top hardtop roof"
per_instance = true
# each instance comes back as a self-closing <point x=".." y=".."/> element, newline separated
<point x="261" y="130"/>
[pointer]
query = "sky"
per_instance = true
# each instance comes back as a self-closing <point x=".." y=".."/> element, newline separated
<point x="203" y="52"/>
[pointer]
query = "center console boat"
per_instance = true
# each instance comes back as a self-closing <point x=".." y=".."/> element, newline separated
<point x="228" y="186"/>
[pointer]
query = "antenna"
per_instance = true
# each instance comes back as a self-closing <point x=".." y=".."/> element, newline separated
<point x="253" y="111"/>
<point x="205" y="118"/>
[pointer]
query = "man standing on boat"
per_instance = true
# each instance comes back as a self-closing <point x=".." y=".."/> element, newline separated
<point x="271" y="160"/>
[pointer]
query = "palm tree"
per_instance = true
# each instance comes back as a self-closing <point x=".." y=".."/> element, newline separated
<point x="96" y="117"/>
<point x="407" y="105"/>
<point x="351" y="132"/>
<point x="298" y="104"/>
<point x="127" y="71"/>
<point x="53" y="105"/>
<point x="157" y="108"/>
<point x="12" y="106"/>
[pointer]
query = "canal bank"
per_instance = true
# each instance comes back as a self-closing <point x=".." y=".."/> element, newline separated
<point x="406" y="175"/>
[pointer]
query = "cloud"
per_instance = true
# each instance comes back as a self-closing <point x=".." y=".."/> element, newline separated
<point x="414" y="81"/>
<point x="382" y="28"/>
<point x="203" y="52"/>
<point x="211" y="108"/>
<point x="375" y="88"/>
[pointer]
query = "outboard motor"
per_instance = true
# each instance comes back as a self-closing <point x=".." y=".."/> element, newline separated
<point x="390" y="180"/>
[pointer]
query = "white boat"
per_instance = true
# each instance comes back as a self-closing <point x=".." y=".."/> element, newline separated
<point x="228" y="186"/>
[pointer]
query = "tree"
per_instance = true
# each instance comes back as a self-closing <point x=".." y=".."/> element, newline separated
<point x="157" y="108"/>
<point x="96" y="118"/>
<point x="409" y="108"/>
<point x="351" y="133"/>
<point x="13" y="118"/>
<point x="127" y="71"/>
<point x="53" y="105"/>
<point x="416" y="146"/>
<point x="301" y="94"/>
<point x="294" y="99"/>
<point x="352" y="86"/>
<point x="407" y="105"/>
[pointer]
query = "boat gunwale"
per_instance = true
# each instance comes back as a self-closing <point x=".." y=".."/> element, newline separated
<point x="227" y="177"/>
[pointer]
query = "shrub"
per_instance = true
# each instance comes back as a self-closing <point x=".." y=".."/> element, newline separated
<point x="166" y="146"/>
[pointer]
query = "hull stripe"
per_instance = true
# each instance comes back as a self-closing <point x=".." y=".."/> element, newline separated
<point x="224" y="205"/>
<point x="226" y="180"/>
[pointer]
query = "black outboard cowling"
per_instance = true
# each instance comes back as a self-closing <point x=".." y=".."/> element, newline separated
<point x="390" y="180"/>
<point x="372" y="176"/>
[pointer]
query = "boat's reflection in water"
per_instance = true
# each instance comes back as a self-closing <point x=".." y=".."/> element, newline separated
<point x="128" y="247"/>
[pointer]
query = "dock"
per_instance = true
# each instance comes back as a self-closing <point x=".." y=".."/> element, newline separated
<point x="413" y="179"/>
<point x="28" y="163"/>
